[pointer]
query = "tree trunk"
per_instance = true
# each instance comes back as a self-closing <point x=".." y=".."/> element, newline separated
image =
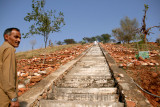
<point x="145" y="40"/>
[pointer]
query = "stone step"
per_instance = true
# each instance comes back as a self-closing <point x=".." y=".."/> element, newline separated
<point x="97" y="61"/>
<point x="94" y="53"/>
<point x="86" y="80"/>
<point x="86" y="90"/>
<point x="85" y="97"/>
<point x="92" y="62"/>
<point x="58" y="103"/>
<point x="93" y="58"/>
<point x="87" y="84"/>
<point x="89" y="72"/>
<point x="93" y="66"/>
<point x="86" y="77"/>
<point x="98" y="57"/>
<point x="89" y="68"/>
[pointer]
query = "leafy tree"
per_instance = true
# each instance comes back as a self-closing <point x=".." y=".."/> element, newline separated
<point x="60" y="43"/>
<point x="45" y="22"/>
<point x="118" y="34"/>
<point x="82" y="42"/>
<point x="127" y="31"/>
<point x="112" y="40"/>
<point x="105" y="38"/>
<point x="87" y="39"/>
<point x="99" y="38"/>
<point x="69" y="41"/>
<point x="93" y="39"/>
<point x="145" y="30"/>
<point x="158" y="41"/>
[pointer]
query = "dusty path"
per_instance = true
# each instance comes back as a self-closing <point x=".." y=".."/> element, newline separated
<point x="87" y="84"/>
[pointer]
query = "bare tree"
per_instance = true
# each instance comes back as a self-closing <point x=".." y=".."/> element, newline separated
<point x="145" y="30"/>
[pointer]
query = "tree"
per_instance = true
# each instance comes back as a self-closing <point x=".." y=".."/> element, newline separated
<point x="127" y="30"/>
<point x="33" y="42"/>
<point x="99" y="38"/>
<point x="87" y="39"/>
<point x="118" y="34"/>
<point x="43" y="22"/>
<point x="105" y="38"/>
<point x="93" y="39"/>
<point x="50" y="43"/>
<point x="145" y="30"/>
<point x="60" y="43"/>
<point x="69" y="41"/>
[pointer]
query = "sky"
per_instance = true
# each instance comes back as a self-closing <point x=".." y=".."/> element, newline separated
<point x="83" y="18"/>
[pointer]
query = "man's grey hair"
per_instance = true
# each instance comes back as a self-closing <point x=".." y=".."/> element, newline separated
<point x="9" y="30"/>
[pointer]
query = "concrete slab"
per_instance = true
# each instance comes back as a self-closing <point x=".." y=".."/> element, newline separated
<point x="58" y="103"/>
<point x="86" y="77"/>
<point x="87" y="90"/>
<point x="86" y="97"/>
<point x="94" y="84"/>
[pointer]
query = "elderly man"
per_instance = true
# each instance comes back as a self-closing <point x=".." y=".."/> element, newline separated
<point x="8" y="73"/>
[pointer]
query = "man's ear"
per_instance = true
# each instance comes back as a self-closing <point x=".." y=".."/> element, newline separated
<point x="6" y="37"/>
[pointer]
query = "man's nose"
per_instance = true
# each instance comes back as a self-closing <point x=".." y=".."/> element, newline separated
<point x="18" y="39"/>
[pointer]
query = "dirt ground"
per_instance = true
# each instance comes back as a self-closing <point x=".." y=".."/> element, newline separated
<point x="145" y="72"/>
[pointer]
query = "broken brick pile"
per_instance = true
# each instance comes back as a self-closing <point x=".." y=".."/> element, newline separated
<point x="146" y="72"/>
<point x="126" y="57"/>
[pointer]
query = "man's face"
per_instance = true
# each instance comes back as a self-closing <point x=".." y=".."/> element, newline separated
<point x="14" y="38"/>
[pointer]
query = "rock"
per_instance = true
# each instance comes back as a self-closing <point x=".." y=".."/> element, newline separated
<point x="120" y="75"/>
<point x="25" y="74"/>
<point x="130" y="64"/>
<point x="27" y="81"/>
<point x="49" y="69"/>
<point x="22" y="89"/>
<point x="35" y="78"/>
<point x="153" y="61"/>
<point x="44" y="95"/>
<point x="22" y="74"/>
<point x="42" y="72"/>
<point x="154" y="75"/>
<point x="130" y="103"/>
<point x="18" y="73"/>
<point x="19" y="94"/>
<point x="29" y="77"/>
<point x="144" y="63"/>
<point x="141" y="59"/>
<point x="157" y="63"/>
<point x="137" y="63"/>
<point x="35" y="70"/>
<point x="151" y="64"/>
<point x="37" y="74"/>
<point x="121" y="65"/>
<point x="39" y="98"/>
<point x="154" y="52"/>
<point x="21" y="86"/>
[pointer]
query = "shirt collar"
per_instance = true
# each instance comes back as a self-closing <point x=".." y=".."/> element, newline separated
<point x="6" y="43"/>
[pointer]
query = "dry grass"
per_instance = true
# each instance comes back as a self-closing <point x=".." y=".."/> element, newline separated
<point x="143" y="47"/>
<point x="37" y="52"/>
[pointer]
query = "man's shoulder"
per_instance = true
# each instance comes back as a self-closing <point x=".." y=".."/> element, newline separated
<point x="5" y="46"/>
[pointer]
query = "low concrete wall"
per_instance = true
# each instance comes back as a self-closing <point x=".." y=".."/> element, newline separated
<point x="129" y="92"/>
<point x="42" y="89"/>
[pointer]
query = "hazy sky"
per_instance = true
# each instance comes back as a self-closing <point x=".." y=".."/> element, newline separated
<point x="83" y="18"/>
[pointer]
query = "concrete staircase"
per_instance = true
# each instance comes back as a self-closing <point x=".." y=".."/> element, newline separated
<point x="88" y="84"/>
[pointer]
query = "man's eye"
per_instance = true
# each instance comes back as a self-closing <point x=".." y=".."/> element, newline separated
<point x="17" y="37"/>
